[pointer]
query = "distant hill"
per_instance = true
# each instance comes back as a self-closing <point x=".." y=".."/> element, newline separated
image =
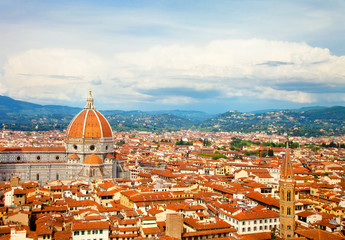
<point x="313" y="121"/>
<point x="309" y="121"/>
<point x="11" y="106"/>
<point x="196" y="116"/>
<point x="20" y="115"/>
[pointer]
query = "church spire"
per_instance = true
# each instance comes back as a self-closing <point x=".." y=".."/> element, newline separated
<point x="287" y="171"/>
<point x="89" y="102"/>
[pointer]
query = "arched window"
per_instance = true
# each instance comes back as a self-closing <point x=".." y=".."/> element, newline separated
<point x="57" y="176"/>
<point x="288" y="212"/>
<point x="282" y="210"/>
<point x="37" y="176"/>
<point x="282" y="195"/>
<point x="288" y="196"/>
<point x="289" y="227"/>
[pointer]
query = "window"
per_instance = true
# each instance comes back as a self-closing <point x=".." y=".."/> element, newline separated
<point x="38" y="158"/>
<point x="254" y="221"/>
<point x="288" y="196"/>
<point x="265" y="227"/>
<point x="254" y="228"/>
<point x="249" y="229"/>
<point x="282" y="196"/>
<point x="288" y="212"/>
<point x="18" y="158"/>
<point x="92" y="147"/>
<point x="83" y="232"/>
<point x="243" y="229"/>
<point x="75" y="147"/>
<point x="88" y="232"/>
<point x="260" y="227"/>
<point x="37" y="176"/>
<point x="100" y="232"/>
<point x="282" y="210"/>
<point x="289" y="227"/>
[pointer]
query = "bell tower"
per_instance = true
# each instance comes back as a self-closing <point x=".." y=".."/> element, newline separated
<point x="287" y="186"/>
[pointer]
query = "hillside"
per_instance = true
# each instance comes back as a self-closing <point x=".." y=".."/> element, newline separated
<point x="311" y="121"/>
<point x="12" y="106"/>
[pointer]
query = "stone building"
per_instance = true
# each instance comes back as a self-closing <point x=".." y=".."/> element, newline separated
<point x="88" y="153"/>
<point x="287" y="185"/>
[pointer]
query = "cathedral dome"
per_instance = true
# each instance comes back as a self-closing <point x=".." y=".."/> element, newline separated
<point x="89" y="123"/>
<point x="93" y="160"/>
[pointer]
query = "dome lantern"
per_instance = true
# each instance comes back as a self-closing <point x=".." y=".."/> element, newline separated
<point x="89" y="102"/>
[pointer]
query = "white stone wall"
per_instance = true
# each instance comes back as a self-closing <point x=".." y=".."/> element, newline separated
<point x="23" y="157"/>
<point x="252" y="225"/>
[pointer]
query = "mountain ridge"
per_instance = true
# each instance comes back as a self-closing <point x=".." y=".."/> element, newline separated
<point x="306" y="121"/>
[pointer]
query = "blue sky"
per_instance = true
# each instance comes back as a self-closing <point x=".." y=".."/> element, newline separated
<point x="211" y="56"/>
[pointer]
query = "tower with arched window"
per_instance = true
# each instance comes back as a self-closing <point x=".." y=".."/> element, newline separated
<point x="287" y="186"/>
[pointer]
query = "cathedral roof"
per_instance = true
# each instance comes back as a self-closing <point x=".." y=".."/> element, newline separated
<point x="109" y="156"/>
<point x="73" y="156"/>
<point x="93" y="160"/>
<point x="89" y="123"/>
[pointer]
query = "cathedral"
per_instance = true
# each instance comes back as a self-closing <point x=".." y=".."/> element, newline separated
<point x="88" y="153"/>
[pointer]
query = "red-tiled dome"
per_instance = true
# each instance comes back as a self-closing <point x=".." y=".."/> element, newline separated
<point x="89" y="123"/>
<point x="93" y="160"/>
<point x="73" y="156"/>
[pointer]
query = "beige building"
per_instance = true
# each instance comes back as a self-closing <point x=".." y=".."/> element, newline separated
<point x="287" y="186"/>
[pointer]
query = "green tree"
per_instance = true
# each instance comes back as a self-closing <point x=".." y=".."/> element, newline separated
<point x="273" y="233"/>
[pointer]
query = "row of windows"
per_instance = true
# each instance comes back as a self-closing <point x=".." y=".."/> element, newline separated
<point x="261" y="221"/>
<point x="91" y="147"/>
<point x="19" y="158"/>
<point x="288" y="211"/>
<point x="75" y="233"/>
<point x="288" y="195"/>
<point x="38" y="158"/>
<point x="249" y="229"/>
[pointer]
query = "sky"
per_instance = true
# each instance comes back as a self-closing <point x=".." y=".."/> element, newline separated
<point x="211" y="56"/>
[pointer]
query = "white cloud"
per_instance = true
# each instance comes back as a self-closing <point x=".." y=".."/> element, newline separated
<point x="292" y="96"/>
<point x="235" y="68"/>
